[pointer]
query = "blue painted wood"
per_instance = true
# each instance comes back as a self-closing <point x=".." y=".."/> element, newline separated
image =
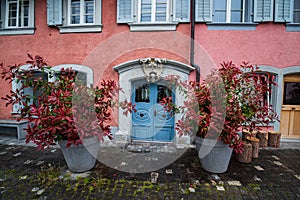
<point x="151" y="122"/>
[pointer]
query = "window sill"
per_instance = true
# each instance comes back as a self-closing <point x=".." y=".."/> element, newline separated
<point x="135" y="27"/>
<point x="80" y="29"/>
<point x="293" y="27"/>
<point x="232" y="26"/>
<point x="17" y="31"/>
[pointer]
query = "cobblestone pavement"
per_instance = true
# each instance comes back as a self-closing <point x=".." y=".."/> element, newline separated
<point x="26" y="173"/>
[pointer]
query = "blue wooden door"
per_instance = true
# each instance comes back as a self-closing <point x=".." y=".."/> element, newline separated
<point x="151" y="122"/>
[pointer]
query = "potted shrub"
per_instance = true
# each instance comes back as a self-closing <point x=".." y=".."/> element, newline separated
<point x="215" y="110"/>
<point x="64" y="111"/>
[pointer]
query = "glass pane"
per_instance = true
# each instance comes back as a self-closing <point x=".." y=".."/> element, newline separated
<point x="89" y="19"/>
<point x="236" y="16"/>
<point x="13" y="10"/>
<point x="160" y="17"/>
<point x="161" y="11"/>
<point x="248" y="11"/>
<point x="236" y="4"/>
<point x="146" y="18"/>
<point x="291" y="93"/>
<point x="25" y="21"/>
<point x="236" y="11"/>
<point x="163" y="92"/>
<point x="146" y="1"/>
<point x="220" y="16"/>
<point x="81" y="77"/>
<point x="146" y="8"/>
<point x="37" y="93"/>
<point x="161" y="8"/>
<point x="220" y="4"/>
<point x="75" y="10"/>
<point x="297" y="4"/>
<point x="89" y="6"/>
<point x="142" y="94"/>
<point x="297" y="16"/>
<point x="219" y="11"/>
<point x="12" y="22"/>
<point x="75" y="20"/>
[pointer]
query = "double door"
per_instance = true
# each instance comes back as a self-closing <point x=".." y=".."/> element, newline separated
<point x="151" y="122"/>
<point x="290" y="110"/>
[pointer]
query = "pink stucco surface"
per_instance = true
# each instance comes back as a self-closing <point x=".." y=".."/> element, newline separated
<point x="269" y="45"/>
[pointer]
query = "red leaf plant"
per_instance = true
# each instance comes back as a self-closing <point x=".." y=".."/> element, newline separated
<point x="229" y="99"/>
<point x="64" y="109"/>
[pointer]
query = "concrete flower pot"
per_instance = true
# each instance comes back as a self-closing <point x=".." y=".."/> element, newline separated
<point x="214" y="155"/>
<point x="82" y="157"/>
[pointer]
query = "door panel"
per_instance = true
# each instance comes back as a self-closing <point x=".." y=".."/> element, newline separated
<point x="284" y="121"/>
<point x="290" y="111"/>
<point x="295" y="122"/>
<point x="151" y="121"/>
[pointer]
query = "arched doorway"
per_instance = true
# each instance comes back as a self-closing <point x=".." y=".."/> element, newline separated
<point x="143" y="83"/>
<point x="290" y="110"/>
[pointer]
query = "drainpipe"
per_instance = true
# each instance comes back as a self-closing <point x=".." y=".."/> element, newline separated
<point x="192" y="51"/>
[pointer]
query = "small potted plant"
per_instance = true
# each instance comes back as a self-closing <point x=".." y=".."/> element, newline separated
<point x="64" y="111"/>
<point x="215" y="110"/>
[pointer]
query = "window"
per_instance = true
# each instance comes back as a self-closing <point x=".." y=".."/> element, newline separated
<point x="75" y="15"/>
<point x="17" y="84"/>
<point x="83" y="74"/>
<point x="296" y="11"/>
<point x="17" y="17"/>
<point x="152" y="15"/>
<point x="288" y="11"/>
<point x="153" y="11"/>
<point x="31" y="91"/>
<point x="291" y="94"/>
<point x="233" y="14"/>
<point x="142" y="93"/>
<point x="81" y="11"/>
<point x="232" y="11"/>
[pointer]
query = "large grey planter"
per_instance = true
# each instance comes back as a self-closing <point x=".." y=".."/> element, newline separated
<point x="214" y="155"/>
<point x="82" y="157"/>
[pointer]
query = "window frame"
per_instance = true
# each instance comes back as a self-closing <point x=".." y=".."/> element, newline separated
<point x="16" y="85"/>
<point x="153" y="12"/>
<point x="229" y="9"/>
<point x="81" y="14"/>
<point x="129" y="12"/>
<point x="247" y="13"/>
<point x="16" y="30"/>
<point x="77" y="68"/>
<point x="68" y="27"/>
<point x="293" y="12"/>
<point x="138" y="25"/>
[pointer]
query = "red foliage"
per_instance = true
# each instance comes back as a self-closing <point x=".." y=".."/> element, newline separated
<point x="65" y="109"/>
<point x="230" y="98"/>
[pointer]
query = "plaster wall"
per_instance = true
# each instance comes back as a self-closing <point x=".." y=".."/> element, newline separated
<point x="268" y="45"/>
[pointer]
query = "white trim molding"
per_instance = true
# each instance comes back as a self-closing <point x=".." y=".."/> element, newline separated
<point x="79" y="68"/>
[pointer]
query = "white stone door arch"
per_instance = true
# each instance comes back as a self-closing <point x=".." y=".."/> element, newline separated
<point x="149" y="69"/>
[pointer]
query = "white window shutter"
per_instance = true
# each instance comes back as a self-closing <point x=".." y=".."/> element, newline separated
<point x="54" y="12"/>
<point x="283" y="10"/>
<point x="263" y="10"/>
<point x="182" y="10"/>
<point x="204" y="10"/>
<point x="125" y="11"/>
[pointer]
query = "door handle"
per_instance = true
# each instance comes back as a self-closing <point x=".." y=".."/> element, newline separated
<point x="154" y="113"/>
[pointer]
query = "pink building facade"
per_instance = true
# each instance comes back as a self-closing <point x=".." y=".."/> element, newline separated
<point x="121" y="39"/>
